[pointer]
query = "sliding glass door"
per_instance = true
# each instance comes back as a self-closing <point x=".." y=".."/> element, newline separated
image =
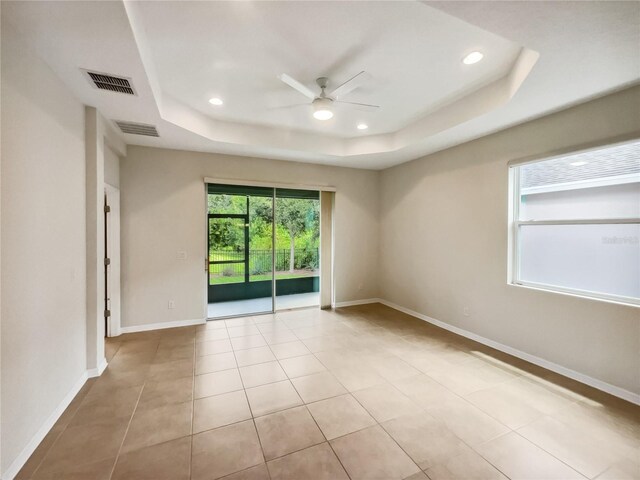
<point x="297" y="248"/>
<point x="261" y="258"/>
<point x="240" y="239"/>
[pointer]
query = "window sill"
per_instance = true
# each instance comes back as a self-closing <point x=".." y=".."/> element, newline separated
<point x="583" y="295"/>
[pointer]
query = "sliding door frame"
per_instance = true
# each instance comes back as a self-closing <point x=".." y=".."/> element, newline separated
<point x="274" y="186"/>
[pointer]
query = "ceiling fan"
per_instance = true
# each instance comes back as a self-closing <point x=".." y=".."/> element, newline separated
<point x="323" y="101"/>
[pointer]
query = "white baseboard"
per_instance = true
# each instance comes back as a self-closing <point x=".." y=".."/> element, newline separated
<point x="554" y="367"/>
<point x="28" y="450"/>
<point x="357" y="302"/>
<point x="161" y="325"/>
<point x="96" y="372"/>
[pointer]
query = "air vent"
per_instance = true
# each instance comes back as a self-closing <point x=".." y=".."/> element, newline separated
<point x="112" y="83"/>
<point x="137" y="128"/>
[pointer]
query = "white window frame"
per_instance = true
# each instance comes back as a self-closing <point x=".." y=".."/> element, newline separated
<point x="514" y="233"/>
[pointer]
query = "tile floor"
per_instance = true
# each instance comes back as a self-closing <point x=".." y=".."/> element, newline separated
<point x="362" y="393"/>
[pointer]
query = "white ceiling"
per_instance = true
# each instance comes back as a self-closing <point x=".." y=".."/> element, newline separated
<point x="539" y="57"/>
<point x="236" y="50"/>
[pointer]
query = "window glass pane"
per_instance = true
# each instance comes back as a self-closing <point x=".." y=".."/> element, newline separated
<point x="223" y="203"/>
<point x="260" y="239"/>
<point x="599" y="184"/>
<point x="595" y="258"/>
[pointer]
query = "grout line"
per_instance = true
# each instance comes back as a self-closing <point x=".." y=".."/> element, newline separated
<point x="115" y="463"/>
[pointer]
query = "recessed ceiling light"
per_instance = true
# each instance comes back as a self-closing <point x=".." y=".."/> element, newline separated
<point x="362" y="126"/>
<point x="215" y="101"/>
<point x="473" y="57"/>
<point x="578" y="164"/>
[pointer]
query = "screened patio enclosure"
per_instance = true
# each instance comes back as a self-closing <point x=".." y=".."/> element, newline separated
<point x="263" y="249"/>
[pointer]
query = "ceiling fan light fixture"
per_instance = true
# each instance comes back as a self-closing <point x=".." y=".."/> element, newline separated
<point x="322" y="109"/>
<point x="473" y="57"/>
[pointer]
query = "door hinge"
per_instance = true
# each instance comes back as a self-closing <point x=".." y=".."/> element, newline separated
<point x="107" y="313"/>
<point x="107" y="209"/>
<point x="107" y="261"/>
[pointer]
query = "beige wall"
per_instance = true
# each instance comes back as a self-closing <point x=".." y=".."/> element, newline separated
<point x="163" y="212"/>
<point x="111" y="168"/>
<point x="43" y="244"/>
<point x="443" y="245"/>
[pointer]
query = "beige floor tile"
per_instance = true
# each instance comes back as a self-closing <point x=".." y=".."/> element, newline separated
<point x="372" y="454"/>
<point x="261" y="374"/>
<point x="467" y="422"/>
<point x="217" y="382"/>
<point x="259" y="472"/>
<point x="466" y="378"/>
<point x="418" y="476"/>
<point x="121" y="402"/>
<point x="600" y="422"/>
<point x="165" y="461"/>
<point x="158" y="425"/>
<point x="252" y="356"/>
<point x="168" y="370"/>
<point x="279" y="336"/>
<point x="243" y="331"/>
<point x="318" y="387"/>
<point x="225" y="450"/>
<point x="219" y="410"/>
<point x="357" y="378"/>
<point x="166" y="392"/>
<point x="251" y="341"/>
<point x="289" y="349"/>
<point x="85" y="444"/>
<point x="213" y="346"/>
<point x="501" y="404"/>
<point x="529" y="391"/>
<point x="287" y="431"/>
<point x="468" y="466"/>
<point x="625" y="469"/>
<point x="385" y="402"/>
<point x="238" y="322"/>
<point x="300" y="366"/>
<point x="208" y="335"/>
<point x="272" y="398"/>
<point x="424" y="391"/>
<point x="426" y="440"/>
<point x="29" y="468"/>
<point x="392" y="368"/>
<point x="173" y="353"/>
<point x="518" y="458"/>
<point x="318" y="463"/>
<point x="368" y="350"/>
<point x="100" y="470"/>
<point x="588" y="455"/>
<point x="322" y="344"/>
<point x="339" y="416"/>
<point x="215" y="363"/>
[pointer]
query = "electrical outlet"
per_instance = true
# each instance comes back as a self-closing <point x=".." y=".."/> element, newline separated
<point x="182" y="255"/>
<point x="465" y="311"/>
<point x="171" y="305"/>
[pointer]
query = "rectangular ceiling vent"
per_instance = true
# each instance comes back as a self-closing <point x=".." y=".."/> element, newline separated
<point x="137" y="128"/>
<point x="113" y="83"/>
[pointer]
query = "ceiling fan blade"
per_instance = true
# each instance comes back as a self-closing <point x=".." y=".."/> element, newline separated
<point x="350" y="85"/>
<point x="293" y="83"/>
<point x="365" y="105"/>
